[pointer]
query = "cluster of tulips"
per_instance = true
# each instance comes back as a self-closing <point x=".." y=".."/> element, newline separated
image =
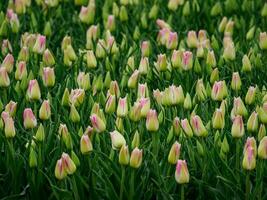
<point x="91" y="96"/>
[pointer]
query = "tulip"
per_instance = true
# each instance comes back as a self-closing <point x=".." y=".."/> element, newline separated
<point x="74" y="115"/>
<point x="176" y="58"/>
<point x="251" y="95"/>
<point x="65" y="98"/>
<point x="4" y="78"/>
<point x="217" y="93"/>
<point x="11" y="108"/>
<point x="145" y="49"/>
<point x="187" y="60"/>
<point x="68" y="163"/>
<point x="83" y="80"/>
<point x="192" y="40"/>
<point x="124" y="156"/>
<point x="263" y="41"/>
<point x="158" y="96"/>
<point x="45" y="110"/>
<point x="142" y="90"/>
<point x="237" y="130"/>
<point x="64" y="133"/>
<point x="262" y="149"/>
<point x="264" y="10"/>
<point x="181" y="172"/>
<point x="39" y="45"/>
<point x="218" y="119"/>
<point x="85" y="144"/>
<point x="161" y="64"/>
<point x="8" y="63"/>
<point x="76" y="97"/>
<point x="9" y="131"/>
<point x="262" y="113"/>
<point x="186" y="127"/>
<point x="172" y="40"/>
<point x="123" y="14"/>
<point x="110" y="24"/>
<point x="249" y="160"/>
<point x="87" y="14"/>
<point x="198" y="126"/>
<point x="48" y="58"/>
<point x="23" y="54"/>
<point x="200" y="90"/>
<point x="136" y="140"/>
<point x="29" y="120"/>
<point x="60" y="172"/>
<point x="48" y="77"/>
<point x="174" y="153"/>
<point x="119" y="124"/>
<point x="152" y="123"/>
<point x="110" y="104"/>
<point x="262" y="132"/>
<point x="211" y="59"/>
<point x="136" y="158"/>
<point x="246" y="64"/>
<point x="239" y="107"/>
<point x="21" y="71"/>
<point x="132" y="82"/>
<point x="33" y="91"/>
<point x="91" y="59"/>
<point x="122" y="109"/>
<point x="145" y="106"/>
<point x="143" y="66"/>
<point x="176" y="125"/>
<point x="236" y="82"/>
<point x="229" y="28"/>
<point x="252" y="123"/>
<point x="97" y="123"/>
<point x="40" y="134"/>
<point x="117" y="139"/>
<point x="114" y="88"/>
<point x="214" y="76"/>
<point x="32" y="158"/>
<point x="135" y="112"/>
<point x="187" y="102"/>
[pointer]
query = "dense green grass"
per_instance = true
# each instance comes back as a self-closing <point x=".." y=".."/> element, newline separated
<point x="214" y="162"/>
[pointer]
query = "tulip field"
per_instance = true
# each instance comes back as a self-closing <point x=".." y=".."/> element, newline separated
<point x="133" y="99"/>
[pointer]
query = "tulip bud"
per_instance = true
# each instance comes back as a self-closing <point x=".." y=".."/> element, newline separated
<point x="123" y="14"/>
<point x="173" y="5"/>
<point x="65" y="98"/>
<point x="263" y="40"/>
<point x="122" y="109"/>
<point x="9" y="131"/>
<point x="172" y="40"/>
<point x="176" y="58"/>
<point x="136" y="140"/>
<point x="8" y="63"/>
<point x="91" y="60"/>
<point x="181" y="172"/>
<point x="249" y="160"/>
<point x="124" y="156"/>
<point x="229" y="28"/>
<point x="68" y="163"/>
<point x="152" y="123"/>
<point x="218" y="93"/>
<point x="216" y="9"/>
<point x="132" y="82"/>
<point x="262" y="149"/>
<point x="143" y="66"/>
<point x="218" y="119"/>
<point x="250" y="96"/>
<point x="33" y="91"/>
<point x="192" y="40"/>
<point x="186" y="127"/>
<point x="39" y="45"/>
<point x="250" y="33"/>
<point x="161" y="64"/>
<point x="48" y="77"/>
<point x="87" y="14"/>
<point x="74" y="115"/>
<point x="246" y="65"/>
<point x="110" y="24"/>
<point x="117" y="140"/>
<point x="110" y="104"/>
<point x="60" y="172"/>
<point x="76" y="97"/>
<point x="262" y="132"/>
<point x="29" y="120"/>
<point x="11" y="108"/>
<point x="4" y="78"/>
<point x="23" y="54"/>
<point x="187" y="102"/>
<point x="136" y="158"/>
<point x="239" y="107"/>
<point x="119" y="124"/>
<point x="40" y="134"/>
<point x="45" y="110"/>
<point x="145" y="49"/>
<point x="64" y="133"/>
<point x="264" y="10"/>
<point x="176" y="126"/>
<point x="174" y="153"/>
<point x="211" y="59"/>
<point x="97" y="123"/>
<point x="237" y="130"/>
<point x="200" y="90"/>
<point x="236" y="82"/>
<point x="83" y="80"/>
<point x="32" y="158"/>
<point x="187" y="60"/>
<point x="21" y="71"/>
<point x="85" y="144"/>
<point x="252" y="123"/>
<point x="48" y="58"/>
<point x="198" y="126"/>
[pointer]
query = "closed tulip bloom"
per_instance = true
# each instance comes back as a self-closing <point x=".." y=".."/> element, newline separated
<point x="187" y="60"/>
<point x="91" y="59"/>
<point x="74" y="114"/>
<point x="117" y="139"/>
<point x="124" y="156"/>
<point x="39" y="45"/>
<point x="32" y="158"/>
<point x="262" y="149"/>
<point x="68" y="163"/>
<point x="176" y="59"/>
<point x="8" y="63"/>
<point x="217" y="92"/>
<point x="161" y="63"/>
<point x="152" y="122"/>
<point x="40" y="133"/>
<point x="173" y="5"/>
<point x="238" y="130"/>
<point x="239" y="107"/>
<point x="65" y="135"/>
<point x="229" y="28"/>
<point x="249" y="160"/>
<point x="246" y="64"/>
<point x="236" y="82"/>
<point x="145" y="106"/>
<point x="97" y="123"/>
<point x="201" y="90"/>
<point x="181" y="172"/>
<point x="145" y="49"/>
<point x="143" y="66"/>
<point x="176" y="125"/>
<point x="218" y="119"/>
<point x="187" y="102"/>
<point x="192" y="40"/>
<point x="142" y="90"/>
<point x="174" y="153"/>
<point x="4" y="78"/>
<point x="122" y="109"/>
<point x="87" y="14"/>
<point x="85" y="144"/>
<point x="214" y="75"/>
<point x="136" y="140"/>
<point x="48" y="58"/>
<point x="45" y="110"/>
<point x="135" y="112"/>
<point x="132" y="82"/>
<point x="76" y="97"/>
<point x="48" y="77"/>
<point x="21" y="71"/>
<point x="250" y="96"/>
<point x="114" y="88"/>
<point x="186" y="127"/>
<point x="172" y="41"/>
<point x="9" y="130"/>
<point x="211" y="59"/>
<point x="263" y="40"/>
<point x="29" y="120"/>
<point x="11" y="108"/>
<point x="33" y="91"/>
<point x="100" y="49"/>
<point x="60" y="172"/>
<point x="229" y="51"/>
<point x="110" y="104"/>
<point x="262" y="113"/>
<point x="136" y="158"/>
<point x="83" y="80"/>
<point x="198" y="126"/>
<point x="253" y="123"/>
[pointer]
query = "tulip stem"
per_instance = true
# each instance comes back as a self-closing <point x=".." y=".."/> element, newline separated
<point x="155" y="144"/>
<point x="247" y="185"/>
<point x="237" y="158"/>
<point x="122" y="181"/>
<point x="132" y="185"/>
<point x="182" y="192"/>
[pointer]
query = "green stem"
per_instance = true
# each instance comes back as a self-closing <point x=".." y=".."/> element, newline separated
<point x="182" y="192"/>
<point x="132" y="185"/>
<point x="122" y="181"/>
<point x="75" y="189"/>
<point x="155" y="144"/>
<point x="261" y="169"/>
<point x="247" y="185"/>
<point x="237" y="158"/>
